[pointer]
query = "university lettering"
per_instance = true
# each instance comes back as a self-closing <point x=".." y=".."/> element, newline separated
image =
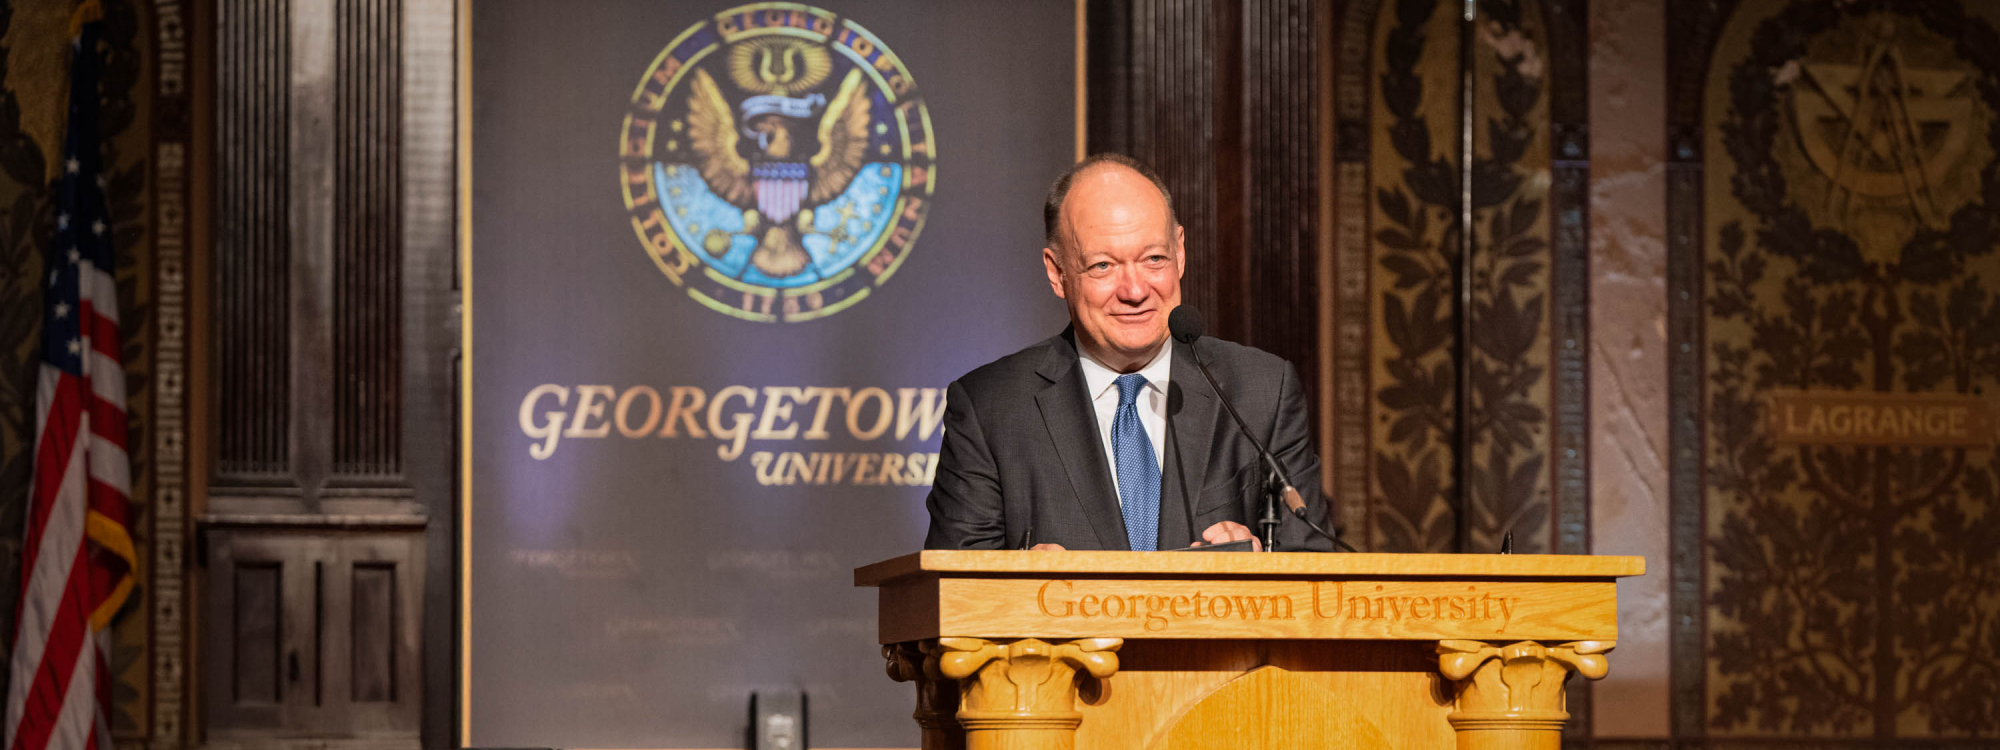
<point x="736" y="415"/>
<point x="1335" y="600"/>
<point x="792" y="467"/>
<point x="1057" y="599"/>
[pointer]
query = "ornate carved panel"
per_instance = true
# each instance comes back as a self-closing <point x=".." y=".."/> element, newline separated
<point x="1524" y="391"/>
<point x="1834" y="235"/>
<point x="1411" y="252"/>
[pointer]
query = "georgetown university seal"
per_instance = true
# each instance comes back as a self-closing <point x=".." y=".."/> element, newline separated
<point x="777" y="162"/>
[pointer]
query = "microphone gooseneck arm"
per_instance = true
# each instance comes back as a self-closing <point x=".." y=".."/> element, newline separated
<point x="1186" y="324"/>
<point x="1275" y="472"/>
<point x="1283" y="488"/>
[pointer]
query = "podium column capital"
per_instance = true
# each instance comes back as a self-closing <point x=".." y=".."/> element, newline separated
<point x="1022" y="693"/>
<point x="1511" y="695"/>
<point x="937" y="695"/>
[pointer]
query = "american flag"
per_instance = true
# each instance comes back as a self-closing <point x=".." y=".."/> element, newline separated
<point x="77" y="560"/>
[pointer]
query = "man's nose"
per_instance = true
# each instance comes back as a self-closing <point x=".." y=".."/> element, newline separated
<point x="1132" y="288"/>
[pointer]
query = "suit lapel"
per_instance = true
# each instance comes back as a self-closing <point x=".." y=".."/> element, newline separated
<point x="1072" y="424"/>
<point x="1193" y="419"/>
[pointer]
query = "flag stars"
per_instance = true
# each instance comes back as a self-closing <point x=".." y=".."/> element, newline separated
<point x="97" y="227"/>
<point x="62" y="221"/>
<point x="75" y="346"/>
<point x="72" y="165"/>
<point x="62" y="309"/>
<point x="74" y="256"/>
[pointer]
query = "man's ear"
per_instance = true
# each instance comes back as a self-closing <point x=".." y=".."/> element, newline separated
<point x="1052" y="263"/>
<point x="1180" y="249"/>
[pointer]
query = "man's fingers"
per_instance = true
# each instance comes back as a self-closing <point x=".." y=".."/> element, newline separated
<point x="1229" y="531"/>
<point x="1226" y="531"/>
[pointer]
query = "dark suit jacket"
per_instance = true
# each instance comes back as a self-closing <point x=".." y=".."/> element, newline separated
<point x="1022" y="461"/>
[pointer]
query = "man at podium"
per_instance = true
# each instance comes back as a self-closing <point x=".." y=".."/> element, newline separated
<point x="1107" y="436"/>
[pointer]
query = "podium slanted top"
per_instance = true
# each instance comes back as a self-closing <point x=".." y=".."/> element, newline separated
<point x="956" y="563"/>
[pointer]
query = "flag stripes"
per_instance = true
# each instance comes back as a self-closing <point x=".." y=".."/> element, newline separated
<point x="77" y="554"/>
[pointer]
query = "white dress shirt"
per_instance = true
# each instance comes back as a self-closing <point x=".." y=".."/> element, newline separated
<point x="1102" y="384"/>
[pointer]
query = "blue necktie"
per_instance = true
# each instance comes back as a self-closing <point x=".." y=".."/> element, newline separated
<point x="1138" y="471"/>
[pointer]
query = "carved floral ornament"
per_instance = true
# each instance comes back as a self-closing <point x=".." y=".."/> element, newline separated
<point x="1850" y="228"/>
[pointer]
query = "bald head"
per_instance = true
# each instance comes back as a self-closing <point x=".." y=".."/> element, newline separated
<point x="1115" y="257"/>
<point x="1109" y="170"/>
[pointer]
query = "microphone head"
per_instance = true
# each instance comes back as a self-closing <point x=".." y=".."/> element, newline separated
<point x="1185" y="324"/>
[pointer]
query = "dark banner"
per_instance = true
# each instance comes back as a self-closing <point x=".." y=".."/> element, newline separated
<point x="724" y="261"/>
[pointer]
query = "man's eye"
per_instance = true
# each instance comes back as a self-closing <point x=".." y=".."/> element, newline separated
<point x="1100" y="266"/>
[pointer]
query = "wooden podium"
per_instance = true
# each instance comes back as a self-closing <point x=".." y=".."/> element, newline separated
<point x="1185" y="650"/>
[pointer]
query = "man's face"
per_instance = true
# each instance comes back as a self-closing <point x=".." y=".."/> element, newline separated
<point x="1119" y="269"/>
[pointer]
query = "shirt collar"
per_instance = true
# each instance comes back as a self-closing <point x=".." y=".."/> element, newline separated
<point x="1098" y="378"/>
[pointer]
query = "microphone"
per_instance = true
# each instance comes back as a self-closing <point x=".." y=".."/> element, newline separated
<point x="1185" y="324"/>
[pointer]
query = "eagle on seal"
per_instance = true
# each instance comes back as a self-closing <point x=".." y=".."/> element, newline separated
<point x="762" y="165"/>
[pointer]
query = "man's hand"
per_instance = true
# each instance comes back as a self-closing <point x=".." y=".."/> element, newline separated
<point x="1229" y="531"/>
<point x="1046" y="548"/>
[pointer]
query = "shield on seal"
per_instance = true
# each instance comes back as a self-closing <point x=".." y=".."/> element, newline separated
<point x="780" y="188"/>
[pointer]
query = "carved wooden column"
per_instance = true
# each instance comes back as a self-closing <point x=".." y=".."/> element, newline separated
<point x="937" y="695"/>
<point x="1022" y="694"/>
<point x="1511" y="697"/>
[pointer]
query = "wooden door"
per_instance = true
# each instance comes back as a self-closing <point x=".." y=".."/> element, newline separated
<point x="261" y="633"/>
<point x="327" y="389"/>
<point x="371" y="605"/>
<point x="312" y="638"/>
